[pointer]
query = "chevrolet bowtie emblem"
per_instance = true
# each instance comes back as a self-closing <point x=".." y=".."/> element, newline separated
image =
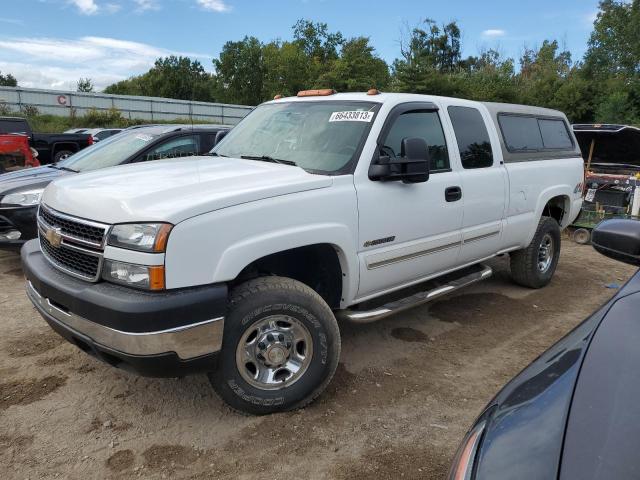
<point x="54" y="236"/>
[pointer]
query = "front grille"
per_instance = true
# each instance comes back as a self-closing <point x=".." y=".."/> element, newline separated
<point x="72" y="244"/>
<point x="77" y="229"/>
<point x="73" y="261"/>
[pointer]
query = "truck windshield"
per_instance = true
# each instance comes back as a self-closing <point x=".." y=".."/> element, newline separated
<point x="108" y="153"/>
<point x="319" y="136"/>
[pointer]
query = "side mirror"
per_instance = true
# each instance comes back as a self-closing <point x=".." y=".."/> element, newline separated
<point x="618" y="239"/>
<point x="219" y="136"/>
<point x="412" y="166"/>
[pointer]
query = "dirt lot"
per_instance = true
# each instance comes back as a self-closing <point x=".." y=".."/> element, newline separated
<point x="405" y="391"/>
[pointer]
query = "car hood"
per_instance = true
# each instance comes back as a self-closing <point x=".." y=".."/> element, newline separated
<point x="28" y="178"/>
<point x="174" y="190"/>
<point x="524" y="435"/>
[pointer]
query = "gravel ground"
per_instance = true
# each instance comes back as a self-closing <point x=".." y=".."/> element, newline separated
<point x="405" y="392"/>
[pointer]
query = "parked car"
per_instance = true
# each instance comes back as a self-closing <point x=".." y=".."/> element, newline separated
<point x="51" y="147"/>
<point x="573" y="413"/>
<point x="20" y="191"/>
<point x="16" y="154"/>
<point x="102" y="133"/>
<point x="319" y="206"/>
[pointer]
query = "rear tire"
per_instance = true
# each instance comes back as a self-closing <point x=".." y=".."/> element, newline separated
<point x="280" y="349"/>
<point x="61" y="155"/>
<point x="535" y="265"/>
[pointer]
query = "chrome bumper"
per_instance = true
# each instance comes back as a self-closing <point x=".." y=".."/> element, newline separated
<point x="187" y="342"/>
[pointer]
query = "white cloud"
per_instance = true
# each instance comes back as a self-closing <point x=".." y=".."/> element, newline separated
<point x="494" y="33"/>
<point x="145" y="5"/>
<point x="58" y="63"/>
<point x="214" y="5"/>
<point x="86" y="7"/>
<point x="590" y="17"/>
<point x="112" y="7"/>
<point x="13" y="21"/>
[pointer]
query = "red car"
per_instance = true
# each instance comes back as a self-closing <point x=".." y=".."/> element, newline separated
<point x="16" y="154"/>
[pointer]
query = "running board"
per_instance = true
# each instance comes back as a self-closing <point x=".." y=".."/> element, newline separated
<point x="367" y="316"/>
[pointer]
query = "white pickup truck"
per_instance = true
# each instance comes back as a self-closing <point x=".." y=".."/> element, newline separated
<point x="314" y="209"/>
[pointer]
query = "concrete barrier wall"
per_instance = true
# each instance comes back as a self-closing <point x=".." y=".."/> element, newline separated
<point x="63" y="103"/>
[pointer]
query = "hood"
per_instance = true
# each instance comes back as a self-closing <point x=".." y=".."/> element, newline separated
<point x="28" y="178"/>
<point x="174" y="190"/>
<point x="612" y="145"/>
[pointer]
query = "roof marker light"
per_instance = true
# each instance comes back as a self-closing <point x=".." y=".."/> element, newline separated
<point x="323" y="92"/>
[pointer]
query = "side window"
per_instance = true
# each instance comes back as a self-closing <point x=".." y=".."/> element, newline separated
<point x="555" y="134"/>
<point x="521" y="133"/>
<point x="422" y="124"/>
<point x="472" y="136"/>
<point x="187" y="146"/>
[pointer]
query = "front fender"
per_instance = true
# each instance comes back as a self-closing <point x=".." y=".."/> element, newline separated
<point x="216" y="246"/>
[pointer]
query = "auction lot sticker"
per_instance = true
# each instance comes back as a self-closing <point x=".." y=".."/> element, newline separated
<point x="352" y="116"/>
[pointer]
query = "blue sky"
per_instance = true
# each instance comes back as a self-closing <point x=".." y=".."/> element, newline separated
<point x="51" y="43"/>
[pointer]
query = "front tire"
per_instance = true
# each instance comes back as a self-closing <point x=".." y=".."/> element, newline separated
<point x="535" y="265"/>
<point x="280" y="349"/>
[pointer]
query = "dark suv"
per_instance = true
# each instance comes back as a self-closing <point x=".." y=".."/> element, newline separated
<point x="20" y="191"/>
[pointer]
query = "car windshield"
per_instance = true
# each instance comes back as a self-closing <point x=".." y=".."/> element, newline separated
<point x="109" y="152"/>
<point x="322" y="137"/>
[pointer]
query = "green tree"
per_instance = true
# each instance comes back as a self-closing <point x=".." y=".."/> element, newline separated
<point x="85" y="85"/>
<point x="240" y="72"/>
<point x="8" y="80"/>
<point x="357" y="68"/>
<point x="286" y="69"/>
<point x="170" y="77"/>
<point x="614" y="45"/>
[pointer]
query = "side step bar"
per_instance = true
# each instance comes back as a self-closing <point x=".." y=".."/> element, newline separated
<point x="367" y="316"/>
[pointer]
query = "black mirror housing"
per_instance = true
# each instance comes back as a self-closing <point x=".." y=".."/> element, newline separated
<point x="618" y="239"/>
<point x="411" y="167"/>
<point x="219" y="136"/>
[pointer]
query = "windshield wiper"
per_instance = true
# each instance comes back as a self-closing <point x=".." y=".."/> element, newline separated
<point x="215" y="154"/>
<point x="67" y="169"/>
<point x="267" y="158"/>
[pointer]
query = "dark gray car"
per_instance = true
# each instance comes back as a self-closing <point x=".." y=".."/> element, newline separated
<point x="574" y="412"/>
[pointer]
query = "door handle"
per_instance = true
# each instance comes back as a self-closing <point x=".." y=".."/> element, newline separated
<point x="452" y="194"/>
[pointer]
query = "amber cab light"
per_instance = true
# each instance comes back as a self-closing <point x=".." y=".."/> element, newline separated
<point x="277" y="97"/>
<point x="373" y="91"/>
<point x="323" y="92"/>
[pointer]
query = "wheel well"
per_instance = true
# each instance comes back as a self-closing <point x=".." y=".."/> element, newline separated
<point x="65" y="146"/>
<point x="556" y="208"/>
<point x="317" y="266"/>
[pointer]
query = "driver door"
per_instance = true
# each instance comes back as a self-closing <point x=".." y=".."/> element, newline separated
<point x="408" y="232"/>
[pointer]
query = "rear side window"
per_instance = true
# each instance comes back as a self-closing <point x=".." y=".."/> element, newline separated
<point x="472" y="136"/>
<point x="527" y="133"/>
<point x="554" y="134"/>
<point x="421" y="124"/>
<point x="521" y="133"/>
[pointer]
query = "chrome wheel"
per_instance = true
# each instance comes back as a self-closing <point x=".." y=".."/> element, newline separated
<point x="545" y="253"/>
<point x="274" y="352"/>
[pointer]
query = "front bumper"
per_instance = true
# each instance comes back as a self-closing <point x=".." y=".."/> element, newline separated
<point x="157" y="334"/>
<point x="21" y="219"/>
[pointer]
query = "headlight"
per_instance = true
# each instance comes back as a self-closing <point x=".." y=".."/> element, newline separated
<point x="465" y="459"/>
<point x="145" y="237"/>
<point x="137" y="276"/>
<point x="26" y="198"/>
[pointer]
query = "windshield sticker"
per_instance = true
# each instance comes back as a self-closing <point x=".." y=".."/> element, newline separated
<point x="353" y="116"/>
<point x="143" y="137"/>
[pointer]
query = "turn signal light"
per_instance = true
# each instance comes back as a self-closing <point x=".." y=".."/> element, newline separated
<point x="323" y="92"/>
